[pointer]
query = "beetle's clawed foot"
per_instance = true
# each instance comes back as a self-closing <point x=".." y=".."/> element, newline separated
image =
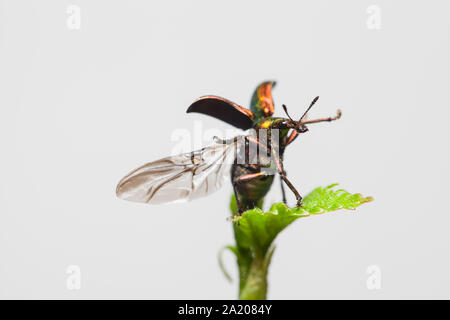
<point x="299" y="203"/>
<point x="231" y="218"/>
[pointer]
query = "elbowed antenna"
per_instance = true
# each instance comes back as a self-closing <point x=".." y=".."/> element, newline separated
<point x="304" y="114"/>
<point x="300" y="123"/>
<point x="287" y="113"/>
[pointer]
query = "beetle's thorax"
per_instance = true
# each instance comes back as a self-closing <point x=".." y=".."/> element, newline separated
<point x="272" y="125"/>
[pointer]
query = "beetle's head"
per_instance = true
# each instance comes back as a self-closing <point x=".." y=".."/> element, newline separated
<point x="300" y="125"/>
<point x="293" y="124"/>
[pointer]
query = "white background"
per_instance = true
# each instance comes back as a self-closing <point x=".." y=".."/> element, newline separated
<point x="81" y="108"/>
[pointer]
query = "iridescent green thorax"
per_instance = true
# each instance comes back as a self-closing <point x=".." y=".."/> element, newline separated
<point x="272" y="123"/>
<point x="262" y="103"/>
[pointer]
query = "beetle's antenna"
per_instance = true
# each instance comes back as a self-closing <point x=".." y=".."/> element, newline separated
<point x="299" y="123"/>
<point x="310" y="106"/>
<point x="285" y="110"/>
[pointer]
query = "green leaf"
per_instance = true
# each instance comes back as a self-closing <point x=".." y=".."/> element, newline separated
<point x="221" y="265"/>
<point x="255" y="231"/>
<point x="325" y="199"/>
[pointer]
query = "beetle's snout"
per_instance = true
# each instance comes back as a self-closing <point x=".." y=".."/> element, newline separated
<point x="302" y="128"/>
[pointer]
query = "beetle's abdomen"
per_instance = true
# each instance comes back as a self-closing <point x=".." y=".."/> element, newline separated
<point x="250" y="191"/>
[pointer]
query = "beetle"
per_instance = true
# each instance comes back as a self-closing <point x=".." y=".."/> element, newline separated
<point x="251" y="160"/>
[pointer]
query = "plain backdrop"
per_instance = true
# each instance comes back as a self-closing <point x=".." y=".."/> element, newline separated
<point x="80" y="108"/>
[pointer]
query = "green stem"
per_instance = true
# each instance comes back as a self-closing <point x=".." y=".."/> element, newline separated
<point x="255" y="287"/>
<point x="253" y="282"/>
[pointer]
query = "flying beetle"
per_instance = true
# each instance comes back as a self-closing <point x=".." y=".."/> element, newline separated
<point x="199" y="173"/>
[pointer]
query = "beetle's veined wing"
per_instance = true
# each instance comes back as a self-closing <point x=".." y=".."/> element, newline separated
<point x="224" y="110"/>
<point x="261" y="103"/>
<point x="182" y="177"/>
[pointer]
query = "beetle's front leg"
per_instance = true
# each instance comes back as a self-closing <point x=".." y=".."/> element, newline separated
<point x="292" y="136"/>
<point x="283" y="193"/>
<point x="279" y="165"/>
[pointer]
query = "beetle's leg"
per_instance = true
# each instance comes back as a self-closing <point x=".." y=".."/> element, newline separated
<point x="249" y="176"/>
<point x="289" y="184"/>
<point x="283" y="193"/>
<point x="259" y="143"/>
<point x="279" y="165"/>
<point x="292" y="136"/>
<point x="238" y="202"/>
<point x="338" y="115"/>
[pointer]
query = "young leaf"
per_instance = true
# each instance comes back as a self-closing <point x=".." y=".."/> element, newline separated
<point x="255" y="231"/>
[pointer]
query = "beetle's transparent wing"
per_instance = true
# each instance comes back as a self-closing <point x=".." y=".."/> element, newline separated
<point x="182" y="177"/>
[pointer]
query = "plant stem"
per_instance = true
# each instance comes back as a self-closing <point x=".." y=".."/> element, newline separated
<point x="253" y="284"/>
<point x="255" y="287"/>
